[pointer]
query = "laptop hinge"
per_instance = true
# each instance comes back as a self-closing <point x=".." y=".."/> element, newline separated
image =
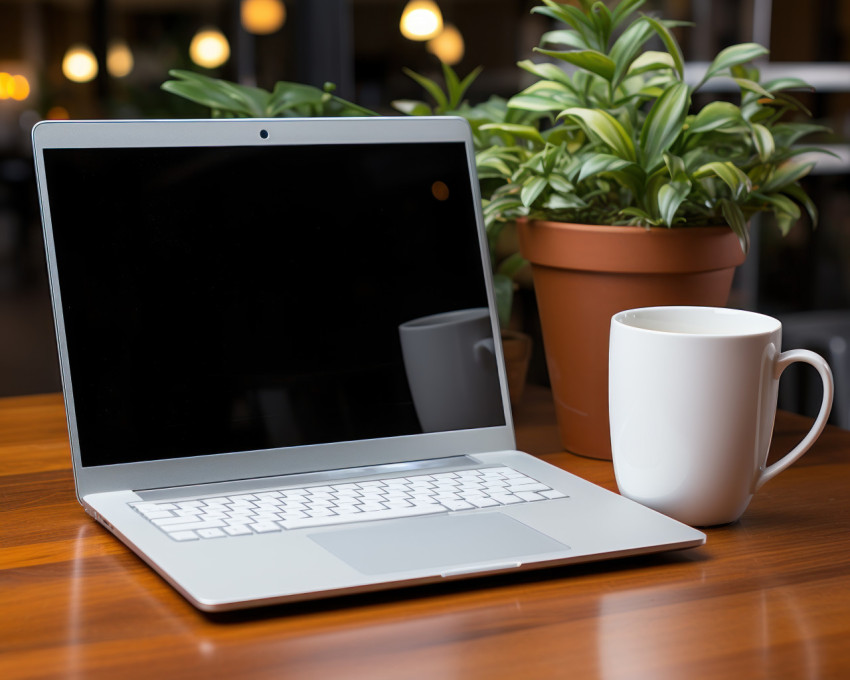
<point x="319" y="477"/>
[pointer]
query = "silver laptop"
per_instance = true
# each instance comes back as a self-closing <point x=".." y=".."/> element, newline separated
<point x="281" y="362"/>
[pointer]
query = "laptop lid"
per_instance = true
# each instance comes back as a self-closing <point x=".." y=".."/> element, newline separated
<point x="249" y="298"/>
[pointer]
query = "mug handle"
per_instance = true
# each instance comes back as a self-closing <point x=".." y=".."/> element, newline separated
<point x="786" y="359"/>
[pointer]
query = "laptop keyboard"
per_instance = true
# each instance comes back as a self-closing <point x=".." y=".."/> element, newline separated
<point x="289" y="508"/>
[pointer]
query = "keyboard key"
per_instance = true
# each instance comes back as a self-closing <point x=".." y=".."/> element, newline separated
<point x="237" y="530"/>
<point x="529" y="496"/>
<point x="159" y="514"/>
<point x="184" y="536"/>
<point x="531" y="485"/>
<point x="205" y="524"/>
<point x="211" y="533"/>
<point x="457" y="505"/>
<point x="483" y="502"/>
<point x="552" y="493"/>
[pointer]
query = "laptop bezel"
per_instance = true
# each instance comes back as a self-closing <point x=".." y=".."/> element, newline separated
<point x="281" y="461"/>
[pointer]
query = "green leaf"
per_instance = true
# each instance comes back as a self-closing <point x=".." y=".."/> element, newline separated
<point x="564" y="37"/>
<point x="623" y="10"/>
<point x="532" y="102"/>
<point x="500" y="168"/>
<point x="790" y="133"/>
<point x="643" y="216"/>
<point x="732" y="56"/>
<point x="664" y="123"/>
<point x="670" y="43"/>
<point x="651" y="61"/>
<point x="573" y="17"/>
<point x="603" y="126"/>
<point x="288" y="96"/>
<point x="431" y="87"/>
<point x="590" y="60"/>
<point x="254" y="99"/>
<point x="780" y="84"/>
<point x="546" y="71"/>
<point x="627" y="47"/>
<point x="763" y="140"/>
<point x="601" y="18"/>
<point x="734" y="217"/>
<point x="560" y="184"/>
<point x="412" y="107"/>
<point x="752" y="86"/>
<point x="786" y="212"/>
<point x="601" y="162"/>
<point x="737" y="181"/>
<point x="799" y="195"/>
<point x="532" y="190"/>
<point x="457" y="88"/>
<point x="528" y="132"/>
<point x="713" y="116"/>
<point x="670" y="197"/>
<point x="217" y="94"/>
<point x="211" y="98"/>
<point x="564" y="202"/>
<point x="787" y="173"/>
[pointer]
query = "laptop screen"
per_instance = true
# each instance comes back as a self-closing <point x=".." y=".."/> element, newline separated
<point x="223" y="299"/>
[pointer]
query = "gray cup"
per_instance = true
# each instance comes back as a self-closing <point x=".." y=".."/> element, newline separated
<point x="452" y="371"/>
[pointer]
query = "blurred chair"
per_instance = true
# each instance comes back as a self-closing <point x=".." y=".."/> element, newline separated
<point x="828" y="334"/>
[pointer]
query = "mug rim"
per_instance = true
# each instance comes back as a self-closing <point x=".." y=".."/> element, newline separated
<point x="758" y="324"/>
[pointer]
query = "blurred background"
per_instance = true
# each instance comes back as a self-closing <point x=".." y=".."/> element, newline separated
<point x="107" y="59"/>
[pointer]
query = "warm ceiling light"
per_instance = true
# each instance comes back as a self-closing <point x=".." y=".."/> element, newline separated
<point x="421" y="20"/>
<point x="58" y="113"/>
<point x="262" y="16"/>
<point x="448" y="46"/>
<point x="79" y="64"/>
<point x="119" y="60"/>
<point x="6" y="85"/>
<point x="20" y="89"/>
<point x="209" y="48"/>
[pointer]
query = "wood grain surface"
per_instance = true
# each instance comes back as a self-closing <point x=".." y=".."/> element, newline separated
<point x="767" y="597"/>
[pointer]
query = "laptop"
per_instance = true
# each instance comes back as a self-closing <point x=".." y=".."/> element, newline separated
<point x="282" y="366"/>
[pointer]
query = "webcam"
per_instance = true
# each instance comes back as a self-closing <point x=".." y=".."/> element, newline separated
<point x="264" y="134"/>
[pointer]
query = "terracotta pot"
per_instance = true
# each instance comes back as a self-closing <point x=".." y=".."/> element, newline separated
<point x="584" y="274"/>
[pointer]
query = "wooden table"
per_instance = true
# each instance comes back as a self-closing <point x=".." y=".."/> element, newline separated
<point x="768" y="597"/>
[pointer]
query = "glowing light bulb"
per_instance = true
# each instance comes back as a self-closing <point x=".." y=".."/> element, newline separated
<point x="20" y="88"/>
<point x="421" y="20"/>
<point x="448" y="47"/>
<point x="79" y="64"/>
<point x="6" y="85"/>
<point x="209" y="48"/>
<point x="119" y="60"/>
<point x="262" y="16"/>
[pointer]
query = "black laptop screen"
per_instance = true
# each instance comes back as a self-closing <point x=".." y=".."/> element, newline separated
<point x="241" y="298"/>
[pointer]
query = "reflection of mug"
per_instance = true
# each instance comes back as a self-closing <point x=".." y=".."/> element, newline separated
<point x="451" y="367"/>
<point x="692" y="396"/>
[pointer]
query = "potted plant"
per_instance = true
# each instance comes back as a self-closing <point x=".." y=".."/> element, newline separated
<point x="625" y="195"/>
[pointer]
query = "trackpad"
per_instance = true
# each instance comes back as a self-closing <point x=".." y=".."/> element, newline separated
<point x="435" y="541"/>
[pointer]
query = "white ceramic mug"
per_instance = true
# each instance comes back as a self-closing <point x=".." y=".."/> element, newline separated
<point x="692" y="400"/>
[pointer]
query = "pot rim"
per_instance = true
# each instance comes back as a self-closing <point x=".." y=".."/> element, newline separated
<point x="628" y="249"/>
